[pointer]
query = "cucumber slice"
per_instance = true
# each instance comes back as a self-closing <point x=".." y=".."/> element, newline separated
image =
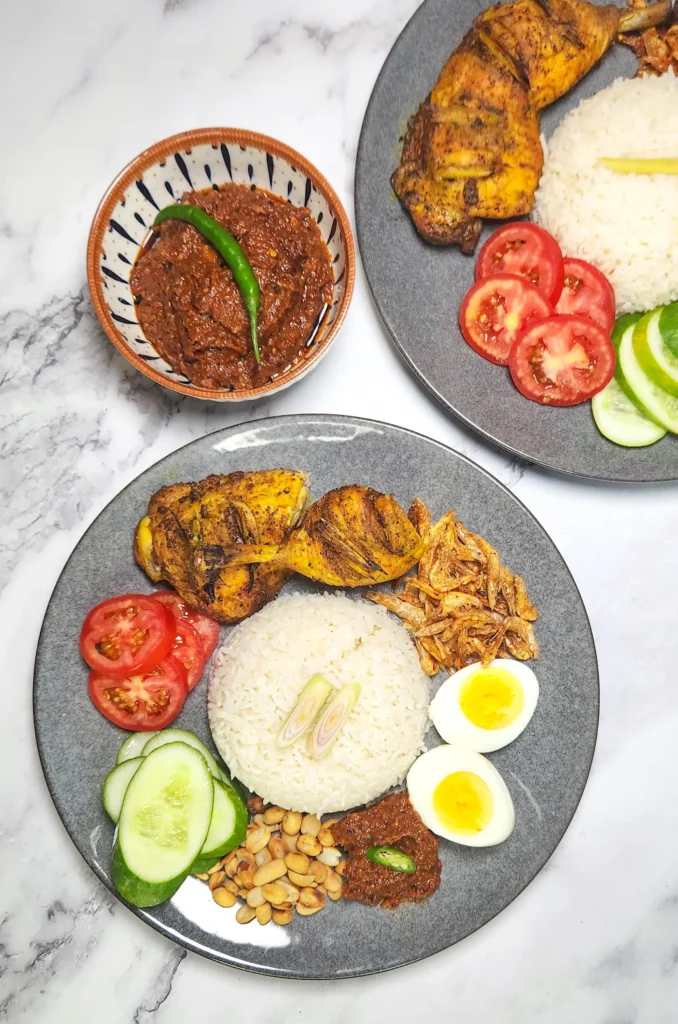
<point x="228" y="827"/>
<point x="133" y="746"/>
<point x="621" y="325"/>
<point x="668" y="327"/>
<point x="662" y="407"/>
<point x="654" y="357"/>
<point x="181" y="736"/>
<point x="163" y="824"/>
<point x="116" y="783"/>
<point x="619" y="419"/>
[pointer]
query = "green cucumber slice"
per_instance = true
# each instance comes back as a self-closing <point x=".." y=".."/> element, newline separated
<point x="228" y="827"/>
<point x="621" y="421"/>
<point x="181" y="736"/>
<point x="163" y="824"/>
<point x="661" y="407"/>
<point x="654" y="357"/>
<point x="133" y="746"/>
<point x="116" y="783"/>
<point x="621" y="325"/>
<point x="668" y="327"/>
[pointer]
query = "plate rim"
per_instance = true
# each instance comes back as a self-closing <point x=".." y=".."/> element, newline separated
<point x="407" y="359"/>
<point x="186" y="942"/>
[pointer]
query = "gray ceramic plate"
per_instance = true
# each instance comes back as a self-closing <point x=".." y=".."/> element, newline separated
<point x="418" y="288"/>
<point x="545" y="769"/>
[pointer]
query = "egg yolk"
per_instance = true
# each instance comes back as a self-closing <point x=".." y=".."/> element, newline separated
<point x="491" y="698"/>
<point x="463" y="803"/>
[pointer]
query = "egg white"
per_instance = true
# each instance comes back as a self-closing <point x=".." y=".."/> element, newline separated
<point x="453" y="725"/>
<point x="432" y="767"/>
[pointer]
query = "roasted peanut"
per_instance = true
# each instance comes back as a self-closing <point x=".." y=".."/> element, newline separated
<point x="231" y="886"/>
<point x="255" y="897"/>
<point x="290" y="841"/>
<point x="310" y="825"/>
<point x="311" y="898"/>
<point x="203" y="876"/>
<point x="216" y="879"/>
<point x="216" y="867"/>
<point x="278" y="848"/>
<point x="258" y="839"/>
<point x="309" y="845"/>
<point x="258" y="820"/>
<point x="245" y="914"/>
<point x="301" y="880"/>
<point x="224" y="898"/>
<point x="231" y="865"/>
<point x="255" y="805"/>
<point x="341" y="867"/>
<point x="330" y="822"/>
<point x="245" y="878"/>
<point x="330" y="856"/>
<point x="291" y="891"/>
<point x="307" y="911"/>
<point x="319" y="871"/>
<point x="291" y="822"/>
<point x="262" y="857"/>
<point x="269" y="872"/>
<point x="274" y="893"/>
<point x="333" y="882"/>
<point x="263" y="913"/>
<point x="244" y="855"/>
<point x="325" y="837"/>
<point x="298" y="862"/>
<point x="273" y="815"/>
<point x="334" y="895"/>
<point x="283" y="916"/>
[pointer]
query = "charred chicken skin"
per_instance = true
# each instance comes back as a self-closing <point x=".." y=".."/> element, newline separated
<point x="228" y="543"/>
<point x="188" y="527"/>
<point x="472" y="150"/>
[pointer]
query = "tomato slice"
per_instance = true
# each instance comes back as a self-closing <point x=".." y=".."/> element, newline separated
<point x="495" y="312"/>
<point x="526" y="250"/>
<point x="142" y="702"/>
<point x="587" y="292"/>
<point x="188" y="649"/>
<point x="207" y="628"/>
<point x="562" y="360"/>
<point x="126" y="635"/>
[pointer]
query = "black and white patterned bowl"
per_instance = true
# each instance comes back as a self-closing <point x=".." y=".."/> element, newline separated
<point x="204" y="158"/>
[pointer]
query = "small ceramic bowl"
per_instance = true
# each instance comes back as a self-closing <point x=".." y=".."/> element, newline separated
<point x="197" y="160"/>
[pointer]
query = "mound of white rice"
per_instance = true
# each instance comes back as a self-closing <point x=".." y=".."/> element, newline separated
<point x="627" y="225"/>
<point x="259" y="673"/>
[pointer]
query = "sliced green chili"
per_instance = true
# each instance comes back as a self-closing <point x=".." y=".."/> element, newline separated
<point x="389" y="857"/>
<point x="229" y="249"/>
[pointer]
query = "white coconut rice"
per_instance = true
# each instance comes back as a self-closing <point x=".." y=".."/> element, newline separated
<point x="260" y="671"/>
<point x="625" y="224"/>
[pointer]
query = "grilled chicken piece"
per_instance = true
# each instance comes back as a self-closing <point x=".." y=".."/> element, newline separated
<point x="472" y="150"/>
<point x="351" y="537"/>
<point x="189" y="525"/>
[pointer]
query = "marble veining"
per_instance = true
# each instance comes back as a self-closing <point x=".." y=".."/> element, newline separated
<point x="593" y="939"/>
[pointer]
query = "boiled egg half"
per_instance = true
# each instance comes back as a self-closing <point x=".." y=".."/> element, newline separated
<point x="483" y="709"/>
<point x="461" y="796"/>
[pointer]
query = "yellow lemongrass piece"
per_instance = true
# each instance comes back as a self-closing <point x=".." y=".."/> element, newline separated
<point x="637" y="165"/>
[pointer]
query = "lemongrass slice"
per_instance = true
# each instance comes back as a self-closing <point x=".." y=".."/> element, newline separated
<point x="304" y="712"/>
<point x="329" y="725"/>
<point x="640" y="165"/>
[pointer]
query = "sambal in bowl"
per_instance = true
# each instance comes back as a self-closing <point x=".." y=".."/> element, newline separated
<point x="242" y="284"/>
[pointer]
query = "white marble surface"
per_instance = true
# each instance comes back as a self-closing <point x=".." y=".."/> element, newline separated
<point x="85" y="87"/>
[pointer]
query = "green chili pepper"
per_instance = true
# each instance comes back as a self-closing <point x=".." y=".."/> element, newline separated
<point x="230" y="251"/>
<point x="389" y="857"/>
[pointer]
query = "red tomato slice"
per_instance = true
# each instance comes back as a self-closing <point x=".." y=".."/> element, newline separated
<point x="126" y="635"/>
<point x="143" y="702"/>
<point x="188" y="649"/>
<point x="562" y="360"/>
<point x="207" y="628"/>
<point x="587" y="292"/>
<point x="496" y="311"/>
<point x="528" y="251"/>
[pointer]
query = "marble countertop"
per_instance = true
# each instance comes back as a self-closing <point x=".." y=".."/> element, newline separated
<point x="594" y="939"/>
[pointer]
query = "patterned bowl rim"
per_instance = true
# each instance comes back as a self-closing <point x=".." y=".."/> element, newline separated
<point x="134" y="170"/>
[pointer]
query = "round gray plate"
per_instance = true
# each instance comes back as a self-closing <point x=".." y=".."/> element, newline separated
<point x="418" y="288"/>
<point x="545" y="769"/>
